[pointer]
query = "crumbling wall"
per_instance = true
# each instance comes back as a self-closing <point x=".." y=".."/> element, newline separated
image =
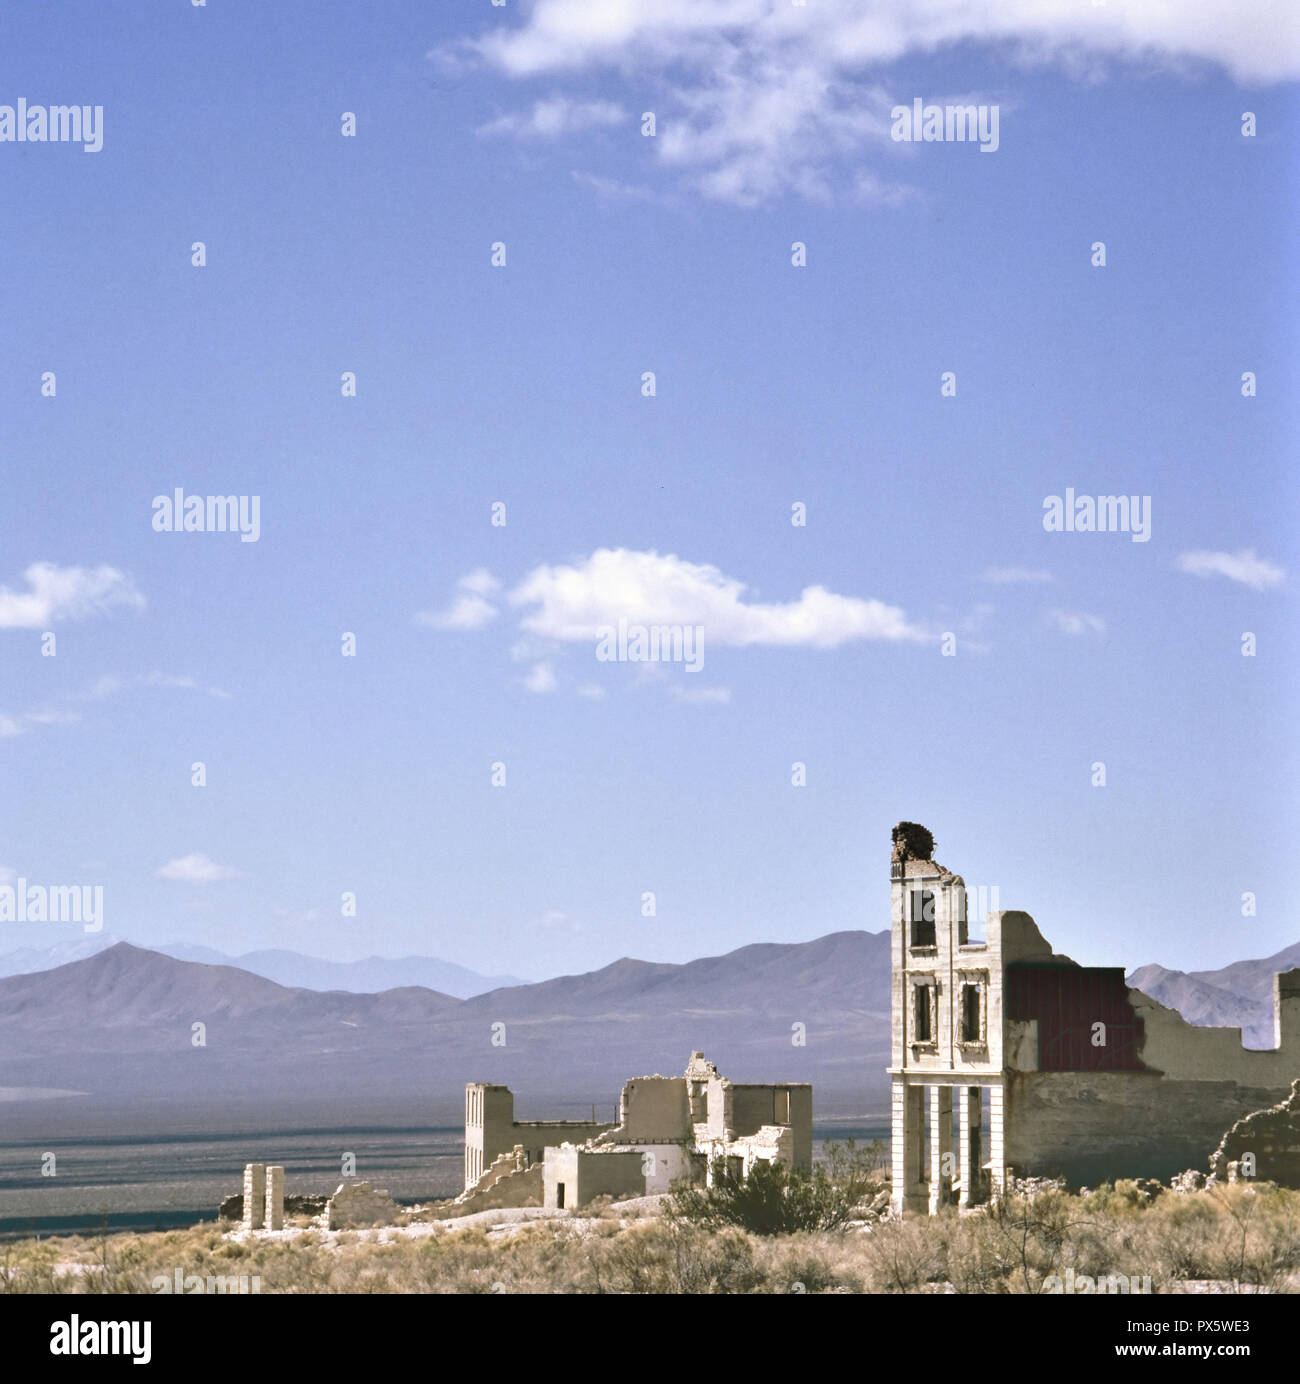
<point x="358" y="1204"/>
<point x="513" y="1186"/>
<point x="1092" y="1127"/>
<point x="1191" y="1052"/>
<point x="1272" y="1136"/>
<point x="653" y="1109"/>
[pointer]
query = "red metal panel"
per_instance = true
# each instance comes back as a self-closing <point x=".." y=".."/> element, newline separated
<point x="1068" y="1001"/>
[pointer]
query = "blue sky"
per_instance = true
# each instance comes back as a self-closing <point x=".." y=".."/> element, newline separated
<point x="774" y="385"/>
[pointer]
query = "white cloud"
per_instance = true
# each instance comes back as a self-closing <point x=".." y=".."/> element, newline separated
<point x="1075" y="623"/>
<point x="556" y="116"/>
<point x="1007" y="576"/>
<point x="701" y="696"/>
<point x="471" y="609"/>
<point x="613" y="190"/>
<point x="111" y="684"/>
<point x="758" y="97"/>
<point x="7" y="874"/>
<point x="480" y="581"/>
<point x="541" y="678"/>
<point x="195" y="869"/>
<point x="1244" y="567"/>
<point x="57" y="593"/>
<point x="591" y="691"/>
<point x="106" y="685"/>
<point x="572" y="603"/>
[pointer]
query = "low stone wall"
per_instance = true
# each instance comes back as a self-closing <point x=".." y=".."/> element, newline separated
<point x="1271" y="1136"/>
<point x="232" y="1209"/>
<point x="357" y="1204"/>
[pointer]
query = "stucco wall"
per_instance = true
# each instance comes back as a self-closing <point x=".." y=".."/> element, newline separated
<point x="654" y="1108"/>
<point x="586" y="1175"/>
<point x="1091" y="1127"/>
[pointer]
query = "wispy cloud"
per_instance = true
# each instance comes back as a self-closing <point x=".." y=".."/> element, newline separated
<point x="1009" y="576"/>
<point x="756" y="98"/>
<point x="111" y="685"/>
<point x="612" y="190"/>
<point x="700" y="696"/>
<point x="470" y="609"/>
<point x="105" y="686"/>
<point x="1244" y="567"/>
<point x="196" y="868"/>
<point x="55" y="593"/>
<point x="541" y="678"/>
<point x="1076" y="623"/>
<point x="556" y="116"/>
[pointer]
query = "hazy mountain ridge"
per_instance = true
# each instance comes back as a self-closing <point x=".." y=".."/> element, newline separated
<point x="289" y="968"/>
<point x="120" y="1024"/>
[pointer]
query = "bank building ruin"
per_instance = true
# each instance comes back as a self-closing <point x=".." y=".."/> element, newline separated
<point x="1008" y="1059"/>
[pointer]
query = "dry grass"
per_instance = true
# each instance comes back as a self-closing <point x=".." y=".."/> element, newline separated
<point x="1241" y="1237"/>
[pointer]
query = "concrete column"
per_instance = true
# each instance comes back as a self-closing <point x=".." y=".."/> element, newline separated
<point x="254" y="1195"/>
<point x="940" y="1147"/>
<point x="969" y="1099"/>
<point x="997" y="1139"/>
<point x="905" y="1147"/>
<point x="275" y="1197"/>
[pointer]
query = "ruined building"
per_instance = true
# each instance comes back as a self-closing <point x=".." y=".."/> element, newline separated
<point x="669" y="1128"/>
<point x="1007" y="1058"/>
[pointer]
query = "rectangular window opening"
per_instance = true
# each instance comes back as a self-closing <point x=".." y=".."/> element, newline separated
<point x="922" y="917"/>
<point x="923" y="1028"/>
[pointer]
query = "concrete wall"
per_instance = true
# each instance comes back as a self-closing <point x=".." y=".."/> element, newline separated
<point x="654" y="1108"/>
<point x="537" y="1136"/>
<point x="1092" y="1127"/>
<point x="489" y="1116"/>
<point x="668" y="1164"/>
<point x="585" y="1175"/>
<point x="491" y="1130"/>
<point x="1185" y="1051"/>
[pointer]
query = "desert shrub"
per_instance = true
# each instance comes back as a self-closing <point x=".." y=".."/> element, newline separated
<point x="670" y="1256"/>
<point x="773" y="1200"/>
<point x="902" y="1256"/>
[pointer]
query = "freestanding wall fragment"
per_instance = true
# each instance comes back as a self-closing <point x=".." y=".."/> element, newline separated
<point x="254" y="1195"/>
<point x="274" y="1198"/>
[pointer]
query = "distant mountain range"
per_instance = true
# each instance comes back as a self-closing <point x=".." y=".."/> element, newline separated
<point x="1236" y="996"/>
<point x="120" y="1026"/>
<point x="133" y="1028"/>
<point x="290" y="968"/>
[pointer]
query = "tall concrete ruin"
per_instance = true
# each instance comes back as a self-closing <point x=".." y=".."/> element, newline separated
<point x="1007" y="1058"/>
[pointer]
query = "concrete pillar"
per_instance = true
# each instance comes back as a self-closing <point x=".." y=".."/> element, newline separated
<point x="940" y="1147"/>
<point x="997" y="1140"/>
<point x="275" y="1197"/>
<point x="969" y="1101"/>
<point x="905" y="1147"/>
<point x="254" y="1195"/>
